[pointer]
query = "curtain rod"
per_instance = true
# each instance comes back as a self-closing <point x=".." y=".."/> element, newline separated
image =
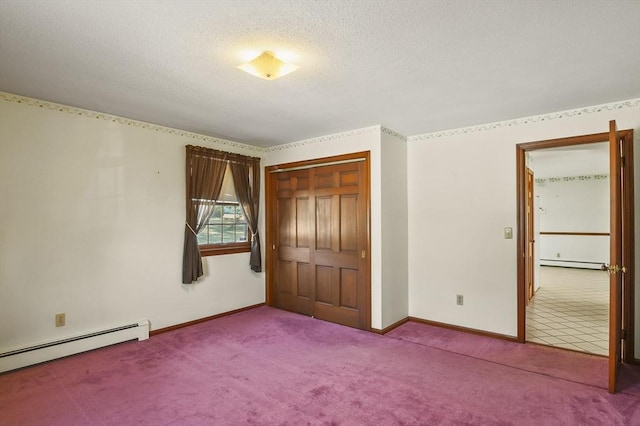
<point x="202" y="150"/>
<point x="310" y="166"/>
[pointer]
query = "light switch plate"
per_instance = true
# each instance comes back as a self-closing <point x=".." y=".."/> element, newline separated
<point x="508" y="233"/>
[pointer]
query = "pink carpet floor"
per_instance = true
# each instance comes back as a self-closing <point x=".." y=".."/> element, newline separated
<point x="573" y="366"/>
<point x="270" y="367"/>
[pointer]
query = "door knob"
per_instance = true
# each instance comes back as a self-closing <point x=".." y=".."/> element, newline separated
<point x="613" y="269"/>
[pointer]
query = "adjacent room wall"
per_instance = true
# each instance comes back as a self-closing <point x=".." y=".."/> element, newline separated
<point x="91" y="224"/>
<point x="462" y="194"/>
<point x="574" y="204"/>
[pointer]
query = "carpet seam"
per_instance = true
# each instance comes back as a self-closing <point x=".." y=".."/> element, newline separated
<point x="503" y="365"/>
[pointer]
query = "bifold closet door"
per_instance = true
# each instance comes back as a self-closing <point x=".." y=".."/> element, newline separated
<point x="321" y="262"/>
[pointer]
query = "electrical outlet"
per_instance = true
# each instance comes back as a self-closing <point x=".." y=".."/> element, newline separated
<point x="459" y="299"/>
<point x="558" y="255"/>
<point x="60" y="320"/>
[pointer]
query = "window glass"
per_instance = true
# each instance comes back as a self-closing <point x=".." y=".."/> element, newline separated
<point x="227" y="226"/>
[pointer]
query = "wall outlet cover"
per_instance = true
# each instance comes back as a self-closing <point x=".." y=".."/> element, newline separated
<point x="60" y="320"/>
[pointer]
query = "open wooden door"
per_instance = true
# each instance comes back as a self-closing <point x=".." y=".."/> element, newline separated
<point x="530" y="237"/>
<point x="622" y="243"/>
<point x="616" y="269"/>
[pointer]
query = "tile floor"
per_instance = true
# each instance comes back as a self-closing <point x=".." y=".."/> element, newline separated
<point x="570" y="310"/>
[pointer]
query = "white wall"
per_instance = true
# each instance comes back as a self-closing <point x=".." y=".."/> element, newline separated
<point x="92" y="213"/>
<point x="367" y="139"/>
<point x="574" y="204"/>
<point x="395" y="289"/>
<point x="574" y="251"/>
<point x="91" y="224"/>
<point x="461" y="197"/>
<point x="462" y="193"/>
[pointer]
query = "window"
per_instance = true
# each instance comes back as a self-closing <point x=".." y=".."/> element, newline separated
<point x="210" y="183"/>
<point x="226" y="226"/>
<point x="227" y="230"/>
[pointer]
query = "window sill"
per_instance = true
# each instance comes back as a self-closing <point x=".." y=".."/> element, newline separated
<point x="219" y="249"/>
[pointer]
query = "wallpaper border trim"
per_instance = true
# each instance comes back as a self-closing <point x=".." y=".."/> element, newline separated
<point x="326" y="138"/>
<point x="571" y="178"/>
<point x="393" y="133"/>
<point x="9" y="97"/>
<point x="631" y="103"/>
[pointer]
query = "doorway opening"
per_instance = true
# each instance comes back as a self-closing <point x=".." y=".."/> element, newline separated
<point x="620" y="268"/>
<point x="568" y="235"/>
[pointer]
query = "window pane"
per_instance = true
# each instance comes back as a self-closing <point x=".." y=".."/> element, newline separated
<point x="240" y="215"/>
<point x="202" y="236"/>
<point x="227" y="225"/>
<point x="241" y="233"/>
<point x="229" y="215"/>
<point x="216" y="217"/>
<point x="228" y="234"/>
<point x="215" y="234"/>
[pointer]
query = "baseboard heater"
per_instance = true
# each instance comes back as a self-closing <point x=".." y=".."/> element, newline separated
<point x="579" y="264"/>
<point x="36" y="354"/>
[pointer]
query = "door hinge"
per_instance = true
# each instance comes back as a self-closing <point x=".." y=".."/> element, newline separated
<point x="623" y="334"/>
<point x="622" y="161"/>
<point x="364" y="254"/>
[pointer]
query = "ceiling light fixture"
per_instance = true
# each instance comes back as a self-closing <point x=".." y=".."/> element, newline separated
<point x="267" y="66"/>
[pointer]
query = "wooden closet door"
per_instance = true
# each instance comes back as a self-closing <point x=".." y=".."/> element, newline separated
<point x="339" y="252"/>
<point x="319" y="236"/>
<point x="293" y="222"/>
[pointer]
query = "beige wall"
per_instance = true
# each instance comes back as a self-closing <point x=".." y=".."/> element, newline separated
<point x="395" y="280"/>
<point x="92" y="222"/>
<point x="462" y="194"/>
<point x="92" y="213"/>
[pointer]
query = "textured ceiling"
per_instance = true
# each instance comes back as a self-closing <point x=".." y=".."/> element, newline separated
<point x="412" y="66"/>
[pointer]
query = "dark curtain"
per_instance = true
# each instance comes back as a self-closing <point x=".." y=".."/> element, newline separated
<point x="246" y="181"/>
<point x="205" y="172"/>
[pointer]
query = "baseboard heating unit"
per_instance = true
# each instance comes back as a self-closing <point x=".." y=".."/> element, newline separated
<point x="36" y="354"/>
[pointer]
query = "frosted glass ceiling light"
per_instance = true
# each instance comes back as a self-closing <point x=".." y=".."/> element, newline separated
<point x="267" y="66"/>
